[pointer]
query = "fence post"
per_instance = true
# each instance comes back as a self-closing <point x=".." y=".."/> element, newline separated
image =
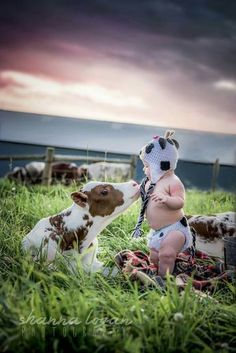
<point x="133" y="166"/>
<point x="47" y="172"/>
<point x="215" y="173"/>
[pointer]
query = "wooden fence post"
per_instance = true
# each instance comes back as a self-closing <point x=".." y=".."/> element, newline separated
<point x="215" y="173"/>
<point x="47" y="172"/>
<point x="133" y="166"/>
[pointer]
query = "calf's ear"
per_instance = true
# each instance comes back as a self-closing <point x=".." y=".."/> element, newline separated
<point x="79" y="198"/>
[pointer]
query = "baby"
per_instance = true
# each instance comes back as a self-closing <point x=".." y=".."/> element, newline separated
<point x="163" y="198"/>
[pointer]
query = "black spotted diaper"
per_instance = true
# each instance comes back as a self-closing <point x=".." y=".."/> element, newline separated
<point x="155" y="237"/>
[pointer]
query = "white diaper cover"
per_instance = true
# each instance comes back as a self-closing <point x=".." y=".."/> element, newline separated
<point x="155" y="237"/>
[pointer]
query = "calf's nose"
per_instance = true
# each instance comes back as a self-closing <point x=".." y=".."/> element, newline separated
<point x="134" y="183"/>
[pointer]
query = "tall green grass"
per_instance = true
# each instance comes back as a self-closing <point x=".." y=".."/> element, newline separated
<point x="45" y="309"/>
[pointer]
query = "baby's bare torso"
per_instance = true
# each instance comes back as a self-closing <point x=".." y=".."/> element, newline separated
<point x="159" y="215"/>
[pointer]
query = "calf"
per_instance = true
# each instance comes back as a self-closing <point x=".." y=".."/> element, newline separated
<point x="76" y="228"/>
<point x="212" y="229"/>
<point x="105" y="170"/>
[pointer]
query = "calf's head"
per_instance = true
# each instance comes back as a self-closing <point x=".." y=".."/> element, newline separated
<point x="106" y="199"/>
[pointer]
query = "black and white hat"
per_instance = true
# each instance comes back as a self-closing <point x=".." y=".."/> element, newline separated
<point x="161" y="154"/>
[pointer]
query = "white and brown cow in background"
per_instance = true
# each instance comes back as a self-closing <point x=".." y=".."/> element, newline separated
<point x="212" y="229"/>
<point x="108" y="171"/>
<point x="31" y="173"/>
<point x="75" y="229"/>
<point x="66" y="173"/>
<point x="63" y="172"/>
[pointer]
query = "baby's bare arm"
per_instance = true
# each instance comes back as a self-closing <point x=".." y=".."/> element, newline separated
<point x="177" y="195"/>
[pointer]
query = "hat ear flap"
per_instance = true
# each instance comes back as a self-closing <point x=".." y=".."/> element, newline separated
<point x="153" y="174"/>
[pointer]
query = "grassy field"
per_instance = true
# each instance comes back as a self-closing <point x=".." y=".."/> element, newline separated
<point x="43" y="310"/>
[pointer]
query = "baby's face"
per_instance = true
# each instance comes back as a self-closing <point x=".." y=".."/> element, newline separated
<point x="146" y="170"/>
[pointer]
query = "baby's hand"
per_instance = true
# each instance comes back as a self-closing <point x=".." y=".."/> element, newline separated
<point x="159" y="198"/>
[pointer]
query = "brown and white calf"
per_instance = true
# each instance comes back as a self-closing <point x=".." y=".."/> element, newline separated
<point x="75" y="229"/>
<point x="212" y="229"/>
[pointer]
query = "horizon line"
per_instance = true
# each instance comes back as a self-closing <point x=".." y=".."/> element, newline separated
<point x="117" y="122"/>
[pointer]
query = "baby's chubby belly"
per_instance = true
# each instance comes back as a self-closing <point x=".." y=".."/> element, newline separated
<point x="159" y="216"/>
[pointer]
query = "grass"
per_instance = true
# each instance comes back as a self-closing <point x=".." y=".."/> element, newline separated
<point x="46" y="310"/>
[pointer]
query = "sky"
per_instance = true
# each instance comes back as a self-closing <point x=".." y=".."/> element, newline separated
<point x="162" y="62"/>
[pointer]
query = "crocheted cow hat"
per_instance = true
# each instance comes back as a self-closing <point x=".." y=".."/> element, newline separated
<point x="161" y="154"/>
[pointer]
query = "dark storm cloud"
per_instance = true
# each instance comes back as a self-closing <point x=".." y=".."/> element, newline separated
<point x="185" y="18"/>
<point x="201" y="32"/>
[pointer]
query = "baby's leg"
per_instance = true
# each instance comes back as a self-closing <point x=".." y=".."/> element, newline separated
<point x="170" y="247"/>
<point x="154" y="256"/>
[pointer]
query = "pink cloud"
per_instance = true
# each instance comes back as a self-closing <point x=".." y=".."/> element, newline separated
<point x="138" y="99"/>
<point x="111" y="80"/>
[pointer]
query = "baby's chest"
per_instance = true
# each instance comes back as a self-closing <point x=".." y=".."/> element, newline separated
<point x="161" y="187"/>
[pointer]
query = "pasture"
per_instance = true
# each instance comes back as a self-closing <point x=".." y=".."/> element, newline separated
<point x="45" y="309"/>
